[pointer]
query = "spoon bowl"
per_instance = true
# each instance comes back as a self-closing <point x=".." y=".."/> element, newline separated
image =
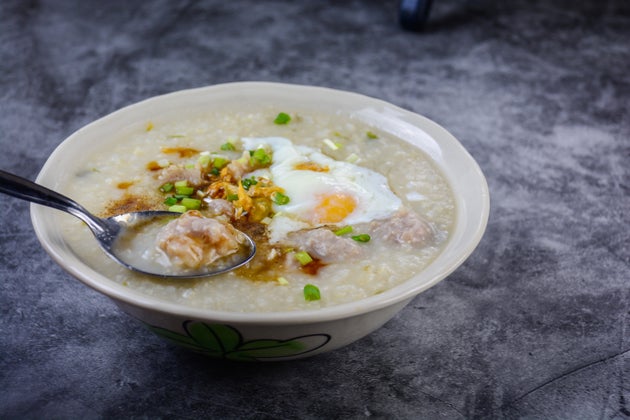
<point x="115" y="233"/>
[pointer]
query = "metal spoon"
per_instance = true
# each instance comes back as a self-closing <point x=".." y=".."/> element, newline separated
<point x="109" y="232"/>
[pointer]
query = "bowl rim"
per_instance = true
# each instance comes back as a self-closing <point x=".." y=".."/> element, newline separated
<point x="403" y="291"/>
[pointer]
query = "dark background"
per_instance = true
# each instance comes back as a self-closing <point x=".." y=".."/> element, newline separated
<point x="536" y="324"/>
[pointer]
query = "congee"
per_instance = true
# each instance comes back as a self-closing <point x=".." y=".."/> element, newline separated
<point x="339" y="210"/>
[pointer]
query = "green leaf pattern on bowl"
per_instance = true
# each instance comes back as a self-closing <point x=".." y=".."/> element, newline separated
<point x="225" y="341"/>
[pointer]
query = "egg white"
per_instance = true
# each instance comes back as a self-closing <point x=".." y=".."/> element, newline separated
<point x="305" y="188"/>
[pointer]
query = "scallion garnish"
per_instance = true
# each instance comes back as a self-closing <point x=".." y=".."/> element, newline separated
<point x="191" y="203"/>
<point x="248" y="182"/>
<point x="184" y="190"/>
<point x="170" y="201"/>
<point x="371" y="135"/>
<point x="219" y="162"/>
<point x="353" y="158"/>
<point x="178" y="208"/>
<point x="343" y="231"/>
<point x="332" y="145"/>
<point x="259" y="158"/>
<point x="232" y="197"/>
<point x="364" y="237"/>
<point x="280" y="199"/>
<point x="166" y="187"/>
<point x="204" y="160"/>
<point x="228" y="146"/>
<point x="311" y="292"/>
<point x="303" y="257"/>
<point x="282" y="118"/>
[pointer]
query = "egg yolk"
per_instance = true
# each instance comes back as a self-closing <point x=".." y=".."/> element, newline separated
<point x="334" y="208"/>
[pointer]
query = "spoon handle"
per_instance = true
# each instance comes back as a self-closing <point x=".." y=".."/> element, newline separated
<point x="24" y="189"/>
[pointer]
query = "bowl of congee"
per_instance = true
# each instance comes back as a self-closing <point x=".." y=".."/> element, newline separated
<point x="355" y="206"/>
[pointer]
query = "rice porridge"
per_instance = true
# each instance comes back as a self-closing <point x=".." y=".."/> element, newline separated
<point x="339" y="211"/>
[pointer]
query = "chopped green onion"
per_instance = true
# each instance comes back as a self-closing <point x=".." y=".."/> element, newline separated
<point x="178" y="208"/>
<point x="303" y="257"/>
<point x="182" y="183"/>
<point x="364" y="237"/>
<point x="344" y="230"/>
<point x="204" y="160"/>
<point x="248" y="182"/>
<point x="170" y="201"/>
<point x="280" y="199"/>
<point x="332" y="145"/>
<point x="282" y="118"/>
<point x="243" y="159"/>
<point x="371" y="135"/>
<point x="311" y="292"/>
<point x="219" y="162"/>
<point x="214" y="171"/>
<point x="189" y="166"/>
<point x="166" y="187"/>
<point x="259" y="158"/>
<point x="282" y="281"/>
<point x="191" y="203"/>
<point x="184" y="190"/>
<point x="228" y="146"/>
<point x="353" y="158"/>
<point x="232" y="197"/>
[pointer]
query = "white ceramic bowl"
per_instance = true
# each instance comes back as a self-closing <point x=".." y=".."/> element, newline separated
<point x="272" y="336"/>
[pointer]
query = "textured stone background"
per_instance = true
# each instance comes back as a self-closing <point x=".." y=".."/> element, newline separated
<point x="536" y="324"/>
